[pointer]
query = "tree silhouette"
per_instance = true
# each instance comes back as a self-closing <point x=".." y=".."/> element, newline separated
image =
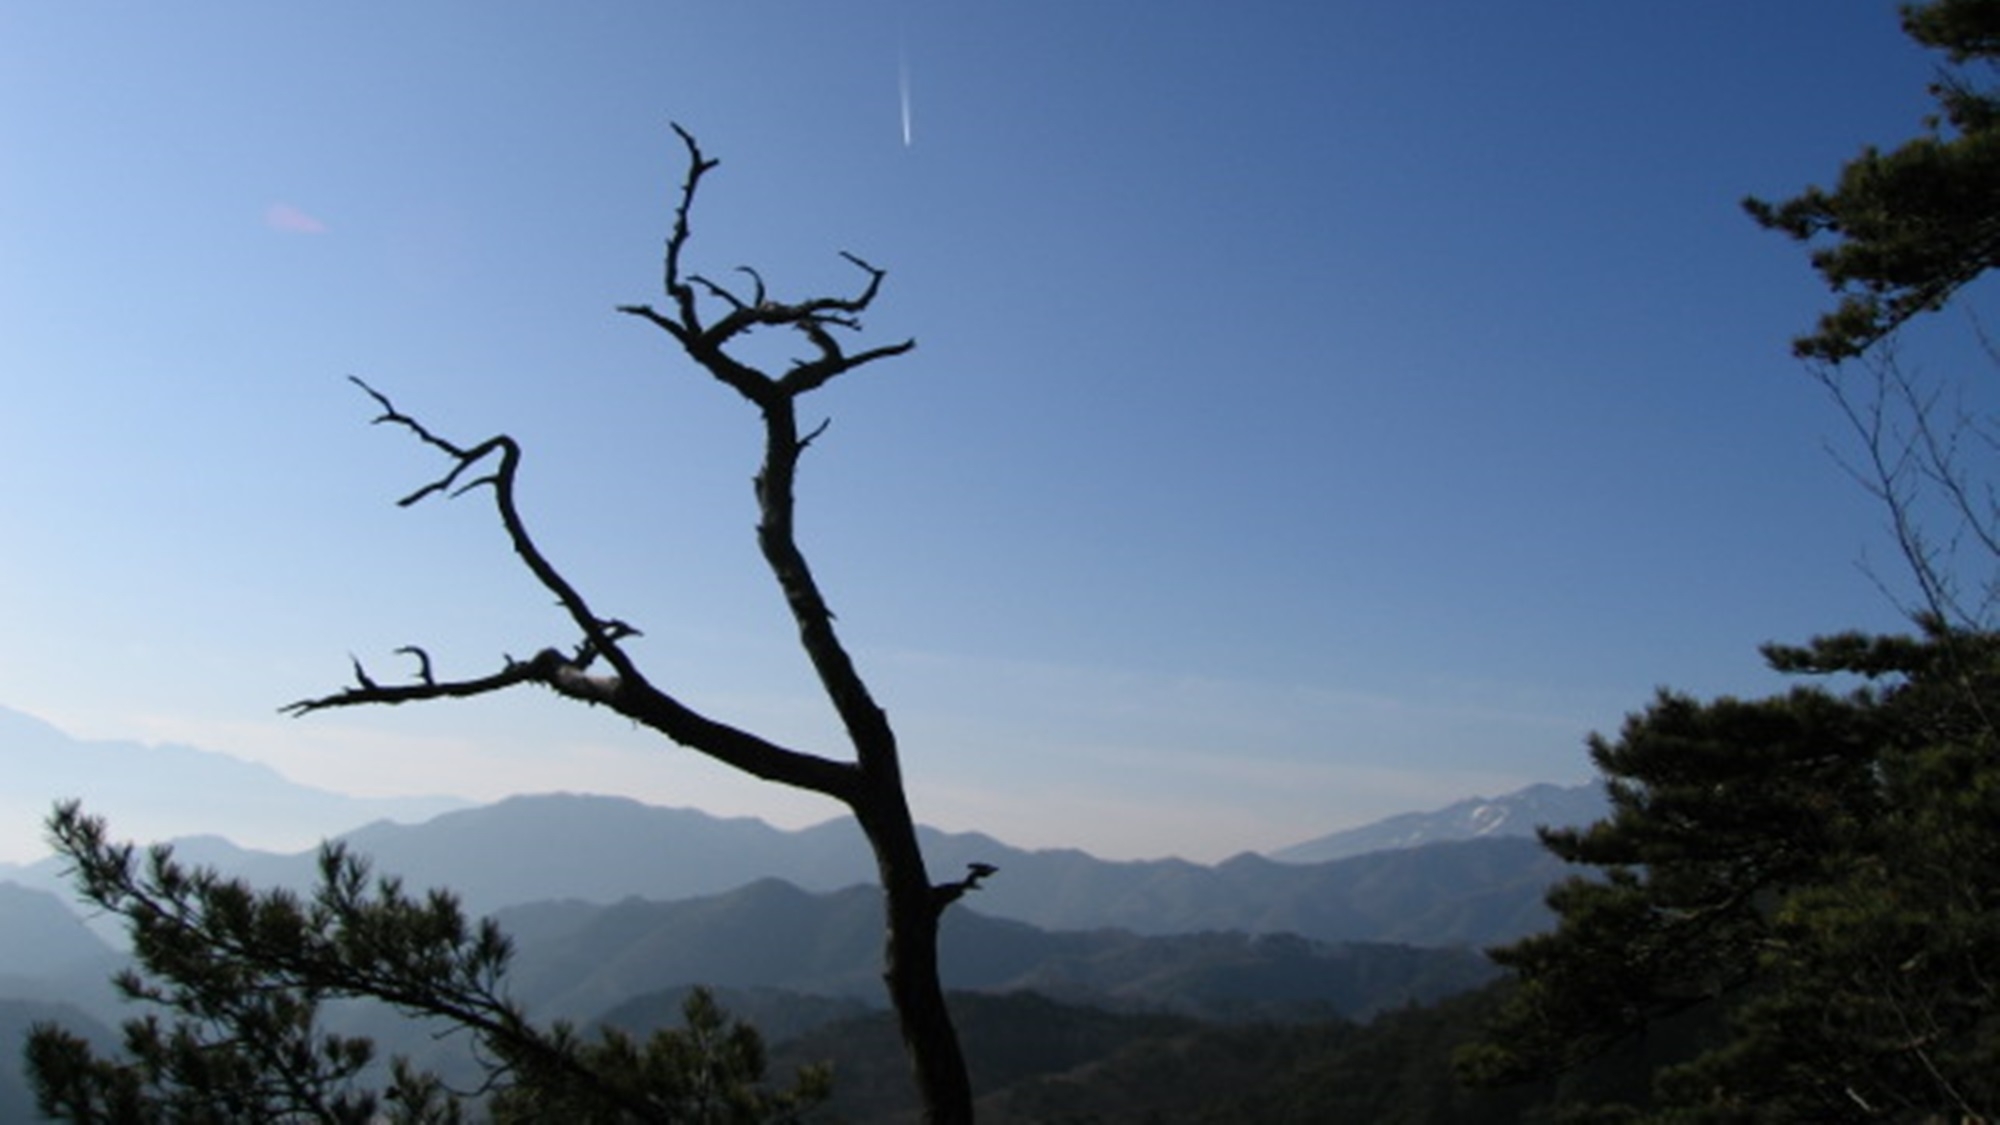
<point x="236" y="980"/>
<point x="1899" y="235"/>
<point x="1903" y="231"/>
<point x="1793" y="902"/>
<point x="710" y="322"/>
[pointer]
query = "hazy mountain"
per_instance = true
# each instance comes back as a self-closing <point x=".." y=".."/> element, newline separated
<point x="793" y="961"/>
<point x="41" y="936"/>
<point x="52" y="968"/>
<point x="1515" y="814"/>
<point x="606" y="849"/>
<point x="1476" y="882"/>
<point x="581" y="960"/>
<point x="47" y="955"/>
<point x="155" y="792"/>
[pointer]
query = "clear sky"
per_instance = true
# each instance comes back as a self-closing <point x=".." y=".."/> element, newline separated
<point x="1320" y="410"/>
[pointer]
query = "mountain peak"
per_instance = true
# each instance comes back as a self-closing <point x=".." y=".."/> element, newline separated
<point x="1518" y="813"/>
<point x="154" y="791"/>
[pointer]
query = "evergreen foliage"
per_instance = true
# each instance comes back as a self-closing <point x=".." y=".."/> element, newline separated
<point x="1799" y="889"/>
<point x="1912" y="226"/>
<point x="237" y="978"/>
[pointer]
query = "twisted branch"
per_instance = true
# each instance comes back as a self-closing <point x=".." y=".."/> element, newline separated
<point x="624" y="690"/>
<point x="813" y="318"/>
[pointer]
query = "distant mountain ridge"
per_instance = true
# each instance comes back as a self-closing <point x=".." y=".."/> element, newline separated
<point x="794" y="961"/>
<point x="41" y="937"/>
<point x="155" y="792"/>
<point x="617" y="907"/>
<point x="579" y="960"/>
<point x="1464" y="875"/>
<point x="1479" y="818"/>
<point x="605" y="849"/>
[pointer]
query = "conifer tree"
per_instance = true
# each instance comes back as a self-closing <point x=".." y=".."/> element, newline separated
<point x="1813" y="871"/>
<point x="1904" y="230"/>
<point x="234" y="980"/>
<point x="1901" y="234"/>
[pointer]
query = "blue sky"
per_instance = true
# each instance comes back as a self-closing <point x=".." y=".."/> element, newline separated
<point x="1320" y="411"/>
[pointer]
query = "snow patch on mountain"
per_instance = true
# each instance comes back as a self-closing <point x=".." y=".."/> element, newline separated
<point x="1514" y="814"/>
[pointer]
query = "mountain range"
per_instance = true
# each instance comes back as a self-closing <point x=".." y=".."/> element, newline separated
<point x="617" y="907"/>
<point x="792" y="961"/>
<point x="1468" y="874"/>
<point x="157" y="792"/>
<point x="166" y="791"/>
<point x="601" y="850"/>
<point x="579" y="961"/>
<point x="1514" y="814"/>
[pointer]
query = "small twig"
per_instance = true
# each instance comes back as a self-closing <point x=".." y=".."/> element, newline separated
<point x="735" y="303"/>
<point x="423" y="663"/>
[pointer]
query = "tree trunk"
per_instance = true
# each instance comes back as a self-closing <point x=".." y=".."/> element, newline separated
<point x="910" y="962"/>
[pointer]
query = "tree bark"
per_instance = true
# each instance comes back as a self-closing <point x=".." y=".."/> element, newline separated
<point x="913" y="905"/>
<point x="910" y="966"/>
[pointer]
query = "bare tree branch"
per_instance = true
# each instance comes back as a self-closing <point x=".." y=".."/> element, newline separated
<point x="683" y="297"/>
<point x="1920" y="458"/>
<point x="423" y="662"/>
<point x="705" y="343"/>
<point x="625" y="690"/>
<point x="501" y="480"/>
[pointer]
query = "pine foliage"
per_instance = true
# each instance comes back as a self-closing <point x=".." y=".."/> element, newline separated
<point x="234" y="981"/>
<point x="1806" y="880"/>
<point x="1904" y="230"/>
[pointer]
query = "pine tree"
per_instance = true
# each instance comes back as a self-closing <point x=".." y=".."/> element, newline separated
<point x="1910" y="227"/>
<point x="235" y="979"/>
<point x="1811" y="872"/>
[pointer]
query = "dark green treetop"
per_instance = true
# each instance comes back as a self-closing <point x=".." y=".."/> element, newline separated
<point x="1908" y="228"/>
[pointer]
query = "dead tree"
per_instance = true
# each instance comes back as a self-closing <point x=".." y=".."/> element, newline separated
<point x="709" y="321"/>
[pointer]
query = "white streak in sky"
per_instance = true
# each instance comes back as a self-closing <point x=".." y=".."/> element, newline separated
<point x="903" y="88"/>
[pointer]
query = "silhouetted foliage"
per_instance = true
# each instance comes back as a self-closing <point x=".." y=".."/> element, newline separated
<point x="235" y="979"/>
<point x="1912" y="226"/>
<point x="1901" y="234"/>
<point x="1801" y="886"/>
<point x="1038" y="1061"/>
